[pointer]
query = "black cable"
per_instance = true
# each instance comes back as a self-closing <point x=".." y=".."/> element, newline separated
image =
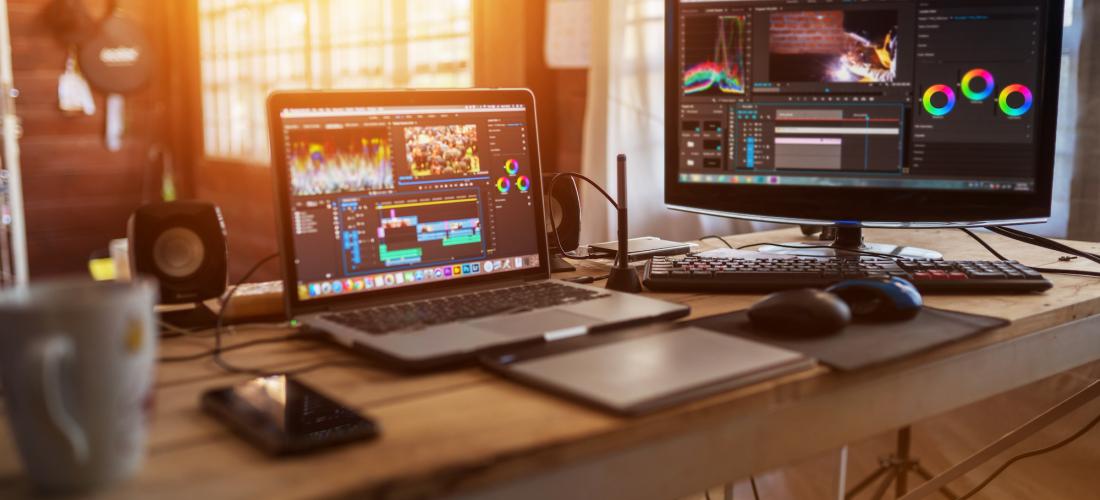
<point x="1042" y="242"/>
<point x="1030" y="454"/>
<point x="235" y="347"/>
<point x="554" y="223"/>
<point x="1047" y="270"/>
<point x="218" y="349"/>
<point x="1068" y="272"/>
<point x="719" y="238"/>
<point x="707" y="493"/>
<point x="755" y="494"/>
<point x="983" y="243"/>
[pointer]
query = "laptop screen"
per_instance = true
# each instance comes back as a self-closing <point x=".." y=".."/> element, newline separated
<point x="390" y="197"/>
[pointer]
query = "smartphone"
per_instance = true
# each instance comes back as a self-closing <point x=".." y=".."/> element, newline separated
<point x="283" y="416"/>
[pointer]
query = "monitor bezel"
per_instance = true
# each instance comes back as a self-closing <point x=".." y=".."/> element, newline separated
<point x="281" y="100"/>
<point x="868" y="207"/>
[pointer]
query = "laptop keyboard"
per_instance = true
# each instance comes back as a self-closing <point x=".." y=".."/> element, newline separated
<point x="415" y="315"/>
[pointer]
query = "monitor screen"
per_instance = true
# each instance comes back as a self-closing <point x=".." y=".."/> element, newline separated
<point x="389" y="197"/>
<point x="876" y="99"/>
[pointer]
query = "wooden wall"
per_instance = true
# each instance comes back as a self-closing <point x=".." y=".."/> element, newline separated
<point x="78" y="195"/>
<point x="245" y="192"/>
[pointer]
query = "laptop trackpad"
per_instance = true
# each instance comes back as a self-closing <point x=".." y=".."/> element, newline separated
<point x="535" y="323"/>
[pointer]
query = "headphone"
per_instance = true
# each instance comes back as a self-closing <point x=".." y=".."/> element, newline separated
<point x="71" y="21"/>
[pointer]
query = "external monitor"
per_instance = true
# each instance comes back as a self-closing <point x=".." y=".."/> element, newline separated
<point x="869" y="113"/>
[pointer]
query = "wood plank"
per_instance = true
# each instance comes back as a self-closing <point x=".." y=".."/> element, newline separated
<point x="465" y="432"/>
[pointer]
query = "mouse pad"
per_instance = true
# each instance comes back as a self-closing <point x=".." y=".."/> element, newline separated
<point x="865" y="344"/>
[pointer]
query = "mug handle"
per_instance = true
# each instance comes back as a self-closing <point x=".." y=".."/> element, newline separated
<point x="46" y="357"/>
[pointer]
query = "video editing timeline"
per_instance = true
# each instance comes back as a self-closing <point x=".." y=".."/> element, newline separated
<point x="390" y="197"/>
<point x="933" y="94"/>
<point x="865" y="138"/>
<point x="411" y="231"/>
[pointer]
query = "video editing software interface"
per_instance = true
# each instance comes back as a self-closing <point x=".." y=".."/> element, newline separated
<point x="392" y="197"/>
<point x="861" y="93"/>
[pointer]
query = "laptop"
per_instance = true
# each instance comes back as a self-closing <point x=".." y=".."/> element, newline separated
<point x="411" y="226"/>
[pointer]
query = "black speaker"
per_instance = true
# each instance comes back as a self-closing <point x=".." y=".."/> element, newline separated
<point x="182" y="244"/>
<point x="563" y="206"/>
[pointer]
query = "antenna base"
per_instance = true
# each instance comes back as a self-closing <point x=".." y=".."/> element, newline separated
<point x="624" y="279"/>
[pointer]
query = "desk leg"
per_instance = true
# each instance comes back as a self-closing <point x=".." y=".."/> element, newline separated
<point x="842" y="474"/>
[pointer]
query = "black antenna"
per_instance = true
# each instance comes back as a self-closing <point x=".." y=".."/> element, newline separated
<point x="623" y="278"/>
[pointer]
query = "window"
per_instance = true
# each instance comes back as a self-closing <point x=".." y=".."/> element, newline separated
<point x="1067" y="124"/>
<point x="249" y="48"/>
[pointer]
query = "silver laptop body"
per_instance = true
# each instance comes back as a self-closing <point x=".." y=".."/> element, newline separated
<point x="430" y="198"/>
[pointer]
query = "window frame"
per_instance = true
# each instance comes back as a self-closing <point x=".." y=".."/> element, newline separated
<point x="1071" y="36"/>
<point x="194" y="53"/>
<point x="499" y="70"/>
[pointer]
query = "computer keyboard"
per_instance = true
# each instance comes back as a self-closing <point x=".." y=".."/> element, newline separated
<point x="413" y="315"/>
<point x="696" y="273"/>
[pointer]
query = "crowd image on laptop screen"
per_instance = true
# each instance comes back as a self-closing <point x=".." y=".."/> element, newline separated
<point x="442" y="150"/>
<point x="340" y="161"/>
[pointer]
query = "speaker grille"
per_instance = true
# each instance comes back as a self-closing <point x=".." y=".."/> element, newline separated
<point x="178" y="252"/>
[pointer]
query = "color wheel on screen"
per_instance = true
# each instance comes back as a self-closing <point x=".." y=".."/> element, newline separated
<point x="512" y="167"/>
<point x="523" y="183"/>
<point x="1024" y="92"/>
<point x="931" y="93"/>
<point x="969" y="80"/>
<point x="504" y="185"/>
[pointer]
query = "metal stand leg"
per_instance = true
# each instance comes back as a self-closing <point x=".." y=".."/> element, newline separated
<point x="904" y="440"/>
<point x="945" y="491"/>
<point x="896" y="469"/>
<point x="842" y="474"/>
<point x="880" y="493"/>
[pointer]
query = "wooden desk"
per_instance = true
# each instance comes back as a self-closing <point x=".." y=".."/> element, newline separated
<point x="467" y="433"/>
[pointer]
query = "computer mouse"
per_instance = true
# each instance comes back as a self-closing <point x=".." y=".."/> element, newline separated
<point x="801" y="313"/>
<point x="880" y="300"/>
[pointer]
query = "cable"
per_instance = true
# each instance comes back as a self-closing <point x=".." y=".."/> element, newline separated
<point x="1042" y="242"/>
<point x="1047" y="270"/>
<point x="983" y="243"/>
<point x="1069" y="272"/>
<point x="707" y="493"/>
<point x="1030" y="454"/>
<point x="752" y="481"/>
<point x="554" y="223"/>
<point x="235" y="347"/>
<point x="218" y="349"/>
<point x="719" y="238"/>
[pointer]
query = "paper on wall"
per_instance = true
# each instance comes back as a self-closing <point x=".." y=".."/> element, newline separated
<point x="568" y="34"/>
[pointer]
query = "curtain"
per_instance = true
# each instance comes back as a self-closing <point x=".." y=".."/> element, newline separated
<point x="626" y="115"/>
<point x="1084" y="218"/>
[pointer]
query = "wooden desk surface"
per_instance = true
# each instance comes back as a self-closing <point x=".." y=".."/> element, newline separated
<point x="466" y="432"/>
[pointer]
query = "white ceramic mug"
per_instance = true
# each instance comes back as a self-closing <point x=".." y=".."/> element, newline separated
<point x="78" y="360"/>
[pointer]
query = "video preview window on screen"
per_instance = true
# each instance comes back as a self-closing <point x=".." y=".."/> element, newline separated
<point x="385" y="199"/>
<point x="914" y="95"/>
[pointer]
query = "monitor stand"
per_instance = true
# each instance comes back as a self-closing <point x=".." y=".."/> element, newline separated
<point x="848" y="243"/>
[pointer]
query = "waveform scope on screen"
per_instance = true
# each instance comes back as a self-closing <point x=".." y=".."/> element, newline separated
<point x="723" y="70"/>
<point x="340" y="161"/>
